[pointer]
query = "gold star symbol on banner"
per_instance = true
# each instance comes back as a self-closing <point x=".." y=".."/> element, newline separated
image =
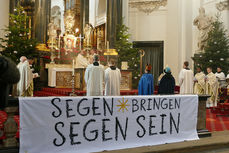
<point x="123" y="105"/>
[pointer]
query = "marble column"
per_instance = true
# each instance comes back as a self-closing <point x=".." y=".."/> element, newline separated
<point x="84" y="14"/>
<point x="114" y="17"/>
<point x="41" y="19"/>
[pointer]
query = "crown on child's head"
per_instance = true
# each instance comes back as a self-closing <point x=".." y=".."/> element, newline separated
<point x="148" y="67"/>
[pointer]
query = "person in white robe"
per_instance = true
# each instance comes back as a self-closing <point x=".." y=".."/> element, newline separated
<point x="221" y="77"/>
<point x="211" y="88"/>
<point x="112" y="80"/>
<point x="94" y="78"/>
<point x="227" y="80"/>
<point x="25" y="85"/>
<point x="186" y="79"/>
<point x="81" y="61"/>
<point x="199" y="82"/>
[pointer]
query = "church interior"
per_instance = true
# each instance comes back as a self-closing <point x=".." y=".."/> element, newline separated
<point x="61" y="39"/>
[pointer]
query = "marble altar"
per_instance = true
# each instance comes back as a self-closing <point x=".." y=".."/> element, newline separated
<point x="60" y="76"/>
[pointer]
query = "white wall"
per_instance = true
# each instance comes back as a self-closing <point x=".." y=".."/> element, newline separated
<point x="4" y="18"/>
<point x="145" y="27"/>
<point x="174" y="25"/>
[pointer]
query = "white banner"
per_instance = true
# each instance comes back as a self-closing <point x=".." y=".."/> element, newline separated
<point x="92" y="124"/>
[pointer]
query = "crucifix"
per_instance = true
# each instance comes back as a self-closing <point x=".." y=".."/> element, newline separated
<point x="80" y="37"/>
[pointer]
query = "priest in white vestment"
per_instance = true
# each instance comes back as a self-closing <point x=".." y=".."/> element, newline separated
<point x="81" y="61"/>
<point x="94" y="77"/>
<point x="199" y="82"/>
<point x="186" y="79"/>
<point x="227" y="79"/>
<point x="25" y="85"/>
<point x="112" y="80"/>
<point x="211" y="88"/>
<point x="220" y="77"/>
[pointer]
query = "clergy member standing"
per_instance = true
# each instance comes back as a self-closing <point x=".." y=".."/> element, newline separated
<point x="220" y="77"/>
<point x="145" y="86"/>
<point x="211" y="88"/>
<point x="199" y="82"/>
<point x="186" y="79"/>
<point x="94" y="77"/>
<point x="25" y="85"/>
<point x="167" y="83"/>
<point x="81" y="61"/>
<point x="112" y="80"/>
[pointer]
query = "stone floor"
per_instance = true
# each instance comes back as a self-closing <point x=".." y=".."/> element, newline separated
<point x="217" y="143"/>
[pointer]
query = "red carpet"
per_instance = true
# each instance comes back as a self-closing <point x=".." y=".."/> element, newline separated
<point x="46" y="92"/>
<point x="216" y="122"/>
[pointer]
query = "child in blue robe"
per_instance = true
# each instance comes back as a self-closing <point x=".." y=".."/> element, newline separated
<point x="145" y="86"/>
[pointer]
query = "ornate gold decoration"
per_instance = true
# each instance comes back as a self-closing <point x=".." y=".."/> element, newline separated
<point x="69" y="42"/>
<point x="69" y="21"/>
<point x="147" y="6"/>
<point x="110" y="52"/>
<point x="126" y="80"/>
<point x="42" y="47"/>
<point x="63" y="80"/>
<point x="224" y="5"/>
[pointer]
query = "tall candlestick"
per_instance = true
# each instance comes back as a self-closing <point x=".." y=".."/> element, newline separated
<point x="108" y="47"/>
<point x="59" y="46"/>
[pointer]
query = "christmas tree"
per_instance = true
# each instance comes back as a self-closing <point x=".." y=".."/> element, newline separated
<point x="127" y="53"/>
<point x="17" y="41"/>
<point x="216" y="52"/>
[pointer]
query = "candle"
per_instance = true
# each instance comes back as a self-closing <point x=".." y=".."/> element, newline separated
<point x="73" y="68"/>
<point x="52" y="43"/>
<point x="80" y="42"/>
<point x="108" y="45"/>
<point x="59" y="42"/>
<point x="59" y="46"/>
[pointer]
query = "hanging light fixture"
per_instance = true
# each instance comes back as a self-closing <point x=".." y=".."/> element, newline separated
<point x="147" y="6"/>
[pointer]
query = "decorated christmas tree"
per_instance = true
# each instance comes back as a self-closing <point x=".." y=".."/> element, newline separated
<point x="216" y="52"/>
<point x="17" y="41"/>
<point x="127" y="53"/>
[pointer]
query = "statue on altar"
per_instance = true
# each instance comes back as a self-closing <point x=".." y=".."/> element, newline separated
<point x="52" y="33"/>
<point x="88" y="29"/>
<point x="56" y="16"/>
<point x="203" y="23"/>
<point x="99" y="39"/>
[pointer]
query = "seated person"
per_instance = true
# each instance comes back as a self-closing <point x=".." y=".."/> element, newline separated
<point x="167" y="83"/>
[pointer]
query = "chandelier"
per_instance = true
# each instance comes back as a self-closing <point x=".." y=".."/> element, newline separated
<point x="147" y="6"/>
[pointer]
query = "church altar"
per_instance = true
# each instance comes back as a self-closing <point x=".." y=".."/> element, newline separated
<point x="60" y="76"/>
